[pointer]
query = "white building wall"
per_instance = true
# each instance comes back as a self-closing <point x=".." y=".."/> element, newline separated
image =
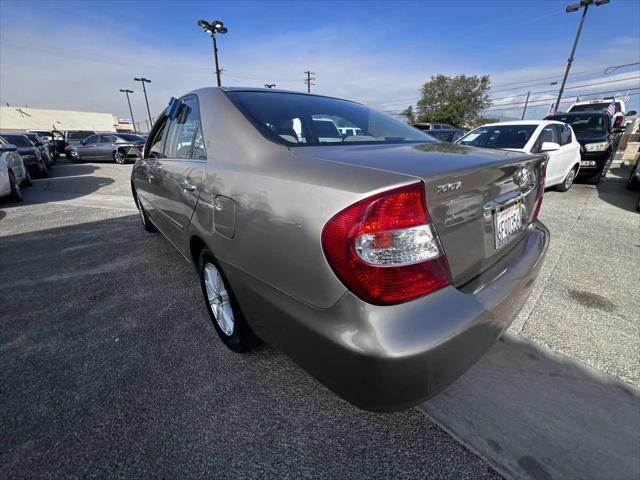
<point x="26" y="118"/>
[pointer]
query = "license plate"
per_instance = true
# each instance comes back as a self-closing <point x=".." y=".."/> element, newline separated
<point x="507" y="224"/>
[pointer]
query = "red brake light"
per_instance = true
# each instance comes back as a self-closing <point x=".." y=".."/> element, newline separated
<point x="541" y="180"/>
<point x="384" y="248"/>
<point x="618" y="121"/>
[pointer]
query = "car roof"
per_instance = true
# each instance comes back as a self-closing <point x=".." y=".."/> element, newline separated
<point x="267" y="90"/>
<point x="585" y="112"/>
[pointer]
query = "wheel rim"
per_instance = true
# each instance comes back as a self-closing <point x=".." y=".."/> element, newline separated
<point x="569" y="180"/>
<point x="16" y="187"/>
<point x="120" y="158"/>
<point x="218" y="299"/>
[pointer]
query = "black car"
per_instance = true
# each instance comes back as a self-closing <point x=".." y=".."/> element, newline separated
<point x="31" y="155"/>
<point x="597" y="141"/>
<point x="441" y="131"/>
<point x="119" y="147"/>
<point x="42" y="145"/>
<point x="50" y="137"/>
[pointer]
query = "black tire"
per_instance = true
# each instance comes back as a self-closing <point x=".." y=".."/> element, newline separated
<point x="120" y="158"/>
<point x="27" y="182"/>
<point x="73" y="156"/>
<point x="44" y="173"/>
<point x="16" y="193"/>
<point x="147" y="224"/>
<point x="241" y="339"/>
<point x="633" y="183"/>
<point x="568" y="181"/>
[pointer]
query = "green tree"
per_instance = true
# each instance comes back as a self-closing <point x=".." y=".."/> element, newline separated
<point x="409" y="115"/>
<point x="456" y="100"/>
<point x="483" y="121"/>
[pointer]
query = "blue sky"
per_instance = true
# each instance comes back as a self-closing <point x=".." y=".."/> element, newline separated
<point x="81" y="53"/>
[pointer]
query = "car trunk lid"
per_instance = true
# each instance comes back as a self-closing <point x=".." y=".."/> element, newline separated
<point x="466" y="188"/>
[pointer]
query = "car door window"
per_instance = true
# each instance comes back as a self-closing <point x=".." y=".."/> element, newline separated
<point x="156" y="140"/>
<point x="91" y="140"/>
<point x="565" y="135"/>
<point x="198" y="144"/>
<point x="182" y="129"/>
<point x="108" y="139"/>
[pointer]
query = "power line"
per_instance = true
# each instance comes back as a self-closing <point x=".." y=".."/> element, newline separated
<point x="573" y="87"/>
<point x="512" y="106"/>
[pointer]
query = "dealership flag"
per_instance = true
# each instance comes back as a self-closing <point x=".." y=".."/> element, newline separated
<point x="627" y="96"/>
<point x="611" y="109"/>
<point x="552" y="109"/>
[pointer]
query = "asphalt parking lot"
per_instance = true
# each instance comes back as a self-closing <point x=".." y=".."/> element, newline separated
<point x="111" y="367"/>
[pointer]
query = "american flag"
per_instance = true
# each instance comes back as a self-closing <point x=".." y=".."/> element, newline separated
<point x="627" y="97"/>
<point x="552" y="109"/>
<point x="611" y="109"/>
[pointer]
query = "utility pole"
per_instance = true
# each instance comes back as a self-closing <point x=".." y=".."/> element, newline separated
<point x="145" y="80"/>
<point x="569" y="9"/>
<point x="526" y="102"/>
<point x="309" y="79"/>
<point x="133" y="122"/>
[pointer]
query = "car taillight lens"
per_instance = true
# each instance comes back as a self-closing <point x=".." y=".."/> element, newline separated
<point x="617" y="122"/>
<point x="541" y="180"/>
<point x="385" y="249"/>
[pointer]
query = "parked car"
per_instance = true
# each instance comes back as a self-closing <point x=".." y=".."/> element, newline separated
<point x="49" y="140"/>
<point x="119" y="147"/>
<point x="41" y="145"/>
<point x="556" y="139"/>
<point x="601" y="105"/>
<point x="73" y="137"/>
<point x="13" y="173"/>
<point x="31" y="156"/>
<point x="633" y="183"/>
<point x="441" y="131"/>
<point x="597" y="139"/>
<point x="385" y="264"/>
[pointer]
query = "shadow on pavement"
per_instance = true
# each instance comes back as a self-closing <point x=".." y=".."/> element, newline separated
<point x="613" y="189"/>
<point x="110" y="367"/>
<point x="535" y="414"/>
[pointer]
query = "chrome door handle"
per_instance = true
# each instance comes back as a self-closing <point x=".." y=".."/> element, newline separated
<point x="150" y="178"/>
<point x="188" y="186"/>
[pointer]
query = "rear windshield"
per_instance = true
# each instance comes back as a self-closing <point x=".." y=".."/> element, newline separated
<point x="499" y="136"/>
<point x="18" y="140"/>
<point x="79" y="135"/>
<point x="307" y="120"/>
<point x="585" y="124"/>
<point x="595" y="107"/>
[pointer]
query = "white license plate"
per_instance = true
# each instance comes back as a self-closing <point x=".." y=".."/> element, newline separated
<point x="507" y="224"/>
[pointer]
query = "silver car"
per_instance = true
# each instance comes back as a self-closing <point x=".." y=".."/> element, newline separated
<point x="13" y="173"/>
<point x="384" y="263"/>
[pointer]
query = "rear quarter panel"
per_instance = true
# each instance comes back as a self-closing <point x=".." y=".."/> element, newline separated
<point x="283" y="202"/>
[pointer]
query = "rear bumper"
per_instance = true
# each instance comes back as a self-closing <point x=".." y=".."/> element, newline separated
<point x="389" y="358"/>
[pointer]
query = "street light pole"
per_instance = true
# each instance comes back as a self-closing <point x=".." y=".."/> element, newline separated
<point x="212" y="28"/>
<point x="569" y="9"/>
<point x="145" y="80"/>
<point x="526" y="103"/>
<point x="133" y="122"/>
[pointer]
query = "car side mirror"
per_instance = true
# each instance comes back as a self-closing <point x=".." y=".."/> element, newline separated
<point x="549" y="146"/>
<point x="631" y="113"/>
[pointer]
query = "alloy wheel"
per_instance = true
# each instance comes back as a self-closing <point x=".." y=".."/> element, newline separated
<point x="120" y="157"/>
<point x="218" y="299"/>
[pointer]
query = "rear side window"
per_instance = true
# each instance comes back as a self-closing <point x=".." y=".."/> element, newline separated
<point x="108" y="139"/>
<point x="565" y="135"/>
<point x="182" y="130"/>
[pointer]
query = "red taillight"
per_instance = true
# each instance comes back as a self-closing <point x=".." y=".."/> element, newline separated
<point x="618" y="121"/>
<point x="384" y="248"/>
<point x="541" y="180"/>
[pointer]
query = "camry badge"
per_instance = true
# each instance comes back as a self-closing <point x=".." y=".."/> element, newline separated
<point x="449" y="187"/>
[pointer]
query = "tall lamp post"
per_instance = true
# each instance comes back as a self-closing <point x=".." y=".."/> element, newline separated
<point x="145" y="80"/>
<point x="133" y="122"/>
<point x="212" y="28"/>
<point x="569" y="9"/>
